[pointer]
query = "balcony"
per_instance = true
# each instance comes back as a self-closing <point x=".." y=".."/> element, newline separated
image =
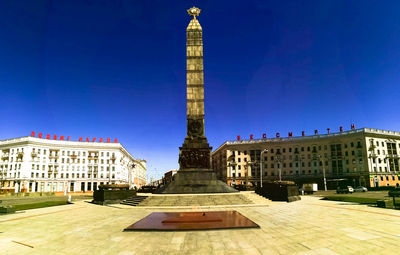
<point x="93" y="157"/>
<point x="20" y="154"/>
<point x="33" y="154"/>
<point x="74" y="156"/>
<point x="5" y="156"/>
<point x="54" y="156"/>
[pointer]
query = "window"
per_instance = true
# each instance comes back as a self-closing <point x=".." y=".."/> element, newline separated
<point x="336" y="150"/>
<point x="290" y="149"/>
<point x="284" y="150"/>
<point x="391" y="147"/>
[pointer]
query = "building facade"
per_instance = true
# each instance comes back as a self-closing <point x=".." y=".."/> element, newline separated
<point x="30" y="164"/>
<point x="359" y="157"/>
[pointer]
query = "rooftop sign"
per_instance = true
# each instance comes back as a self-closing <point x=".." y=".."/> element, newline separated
<point x="66" y="138"/>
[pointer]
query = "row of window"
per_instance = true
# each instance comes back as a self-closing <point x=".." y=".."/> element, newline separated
<point x="72" y="176"/>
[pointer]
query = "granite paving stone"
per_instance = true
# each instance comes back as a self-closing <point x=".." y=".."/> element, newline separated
<point x="308" y="226"/>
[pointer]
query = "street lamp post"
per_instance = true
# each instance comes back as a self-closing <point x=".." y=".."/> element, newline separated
<point x="323" y="171"/>
<point x="261" y="165"/>
<point x="278" y="159"/>
<point x="231" y="164"/>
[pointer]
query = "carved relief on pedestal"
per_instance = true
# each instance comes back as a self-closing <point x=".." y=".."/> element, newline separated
<point x="194" y="158"/>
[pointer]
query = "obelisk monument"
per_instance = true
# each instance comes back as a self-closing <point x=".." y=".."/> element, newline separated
<point x="195" y="174"/>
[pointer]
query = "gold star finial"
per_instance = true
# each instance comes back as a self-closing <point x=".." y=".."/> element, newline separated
<point x="194" y="11"/>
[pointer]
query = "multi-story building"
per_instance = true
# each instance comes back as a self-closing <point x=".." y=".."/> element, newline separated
<point x="31" y="164"/>
<point x="367" y="157"/>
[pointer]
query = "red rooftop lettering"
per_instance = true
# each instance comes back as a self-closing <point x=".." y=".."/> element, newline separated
<point x="80" y="139"/>
<point x="303" y="133"/>
<point x="47" y="136"/>
<point x="87" y="139"/>
<point x="341" y="129"/>
<point x="94" y="139"/>
<point x="290" y="134"/>
<point x="40" y="135"/>
<point x="329" y="130"/>
<point x="62" y="138"/>
<point x="115" y="141"/>
<point x="316" y="131"/>
<point x="238" y="137"/>
<point x="353" y="126"/>
<point x="264" y="136"/>
<point x="251" y="137"/>
<point x="55" y="137"/>
<point x="101" y="140"/>
<point x="278" y="135"/>
<point x="67" y="138"/>
<point x="33" y="133"/>
<point x="108" y="140"/>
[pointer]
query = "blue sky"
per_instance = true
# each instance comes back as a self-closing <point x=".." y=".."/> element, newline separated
<point x="117" y="69"/>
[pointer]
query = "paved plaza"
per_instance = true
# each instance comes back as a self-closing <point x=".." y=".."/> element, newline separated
<point x="309" y="226"/>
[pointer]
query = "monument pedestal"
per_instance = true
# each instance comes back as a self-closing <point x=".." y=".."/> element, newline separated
<point x="187" y="181"/>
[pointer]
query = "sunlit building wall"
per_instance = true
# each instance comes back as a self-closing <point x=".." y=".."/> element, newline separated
<point x="30" y="164"/>
<point x="359" y="157"/>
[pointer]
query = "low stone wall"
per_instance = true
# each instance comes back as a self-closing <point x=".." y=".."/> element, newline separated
<point x="111" y="196"/>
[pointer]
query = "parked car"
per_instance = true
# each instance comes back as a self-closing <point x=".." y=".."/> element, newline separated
<point x="310" y="188"/>
<point x="240" y="187"/>
<point x="360" y="189"/>
<point x="345" y="189"/>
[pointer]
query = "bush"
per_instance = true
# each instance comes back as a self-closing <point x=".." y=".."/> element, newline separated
<point x="381" y="188"/>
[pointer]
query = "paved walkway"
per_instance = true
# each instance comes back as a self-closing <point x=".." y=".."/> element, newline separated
<point x="309" y="226"/>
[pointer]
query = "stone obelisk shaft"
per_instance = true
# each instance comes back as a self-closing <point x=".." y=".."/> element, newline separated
<point x="195" y="152"/>
<point x="195" y="81"/>
<point x="195" y="74"/>
<point x="195" y="174"/>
